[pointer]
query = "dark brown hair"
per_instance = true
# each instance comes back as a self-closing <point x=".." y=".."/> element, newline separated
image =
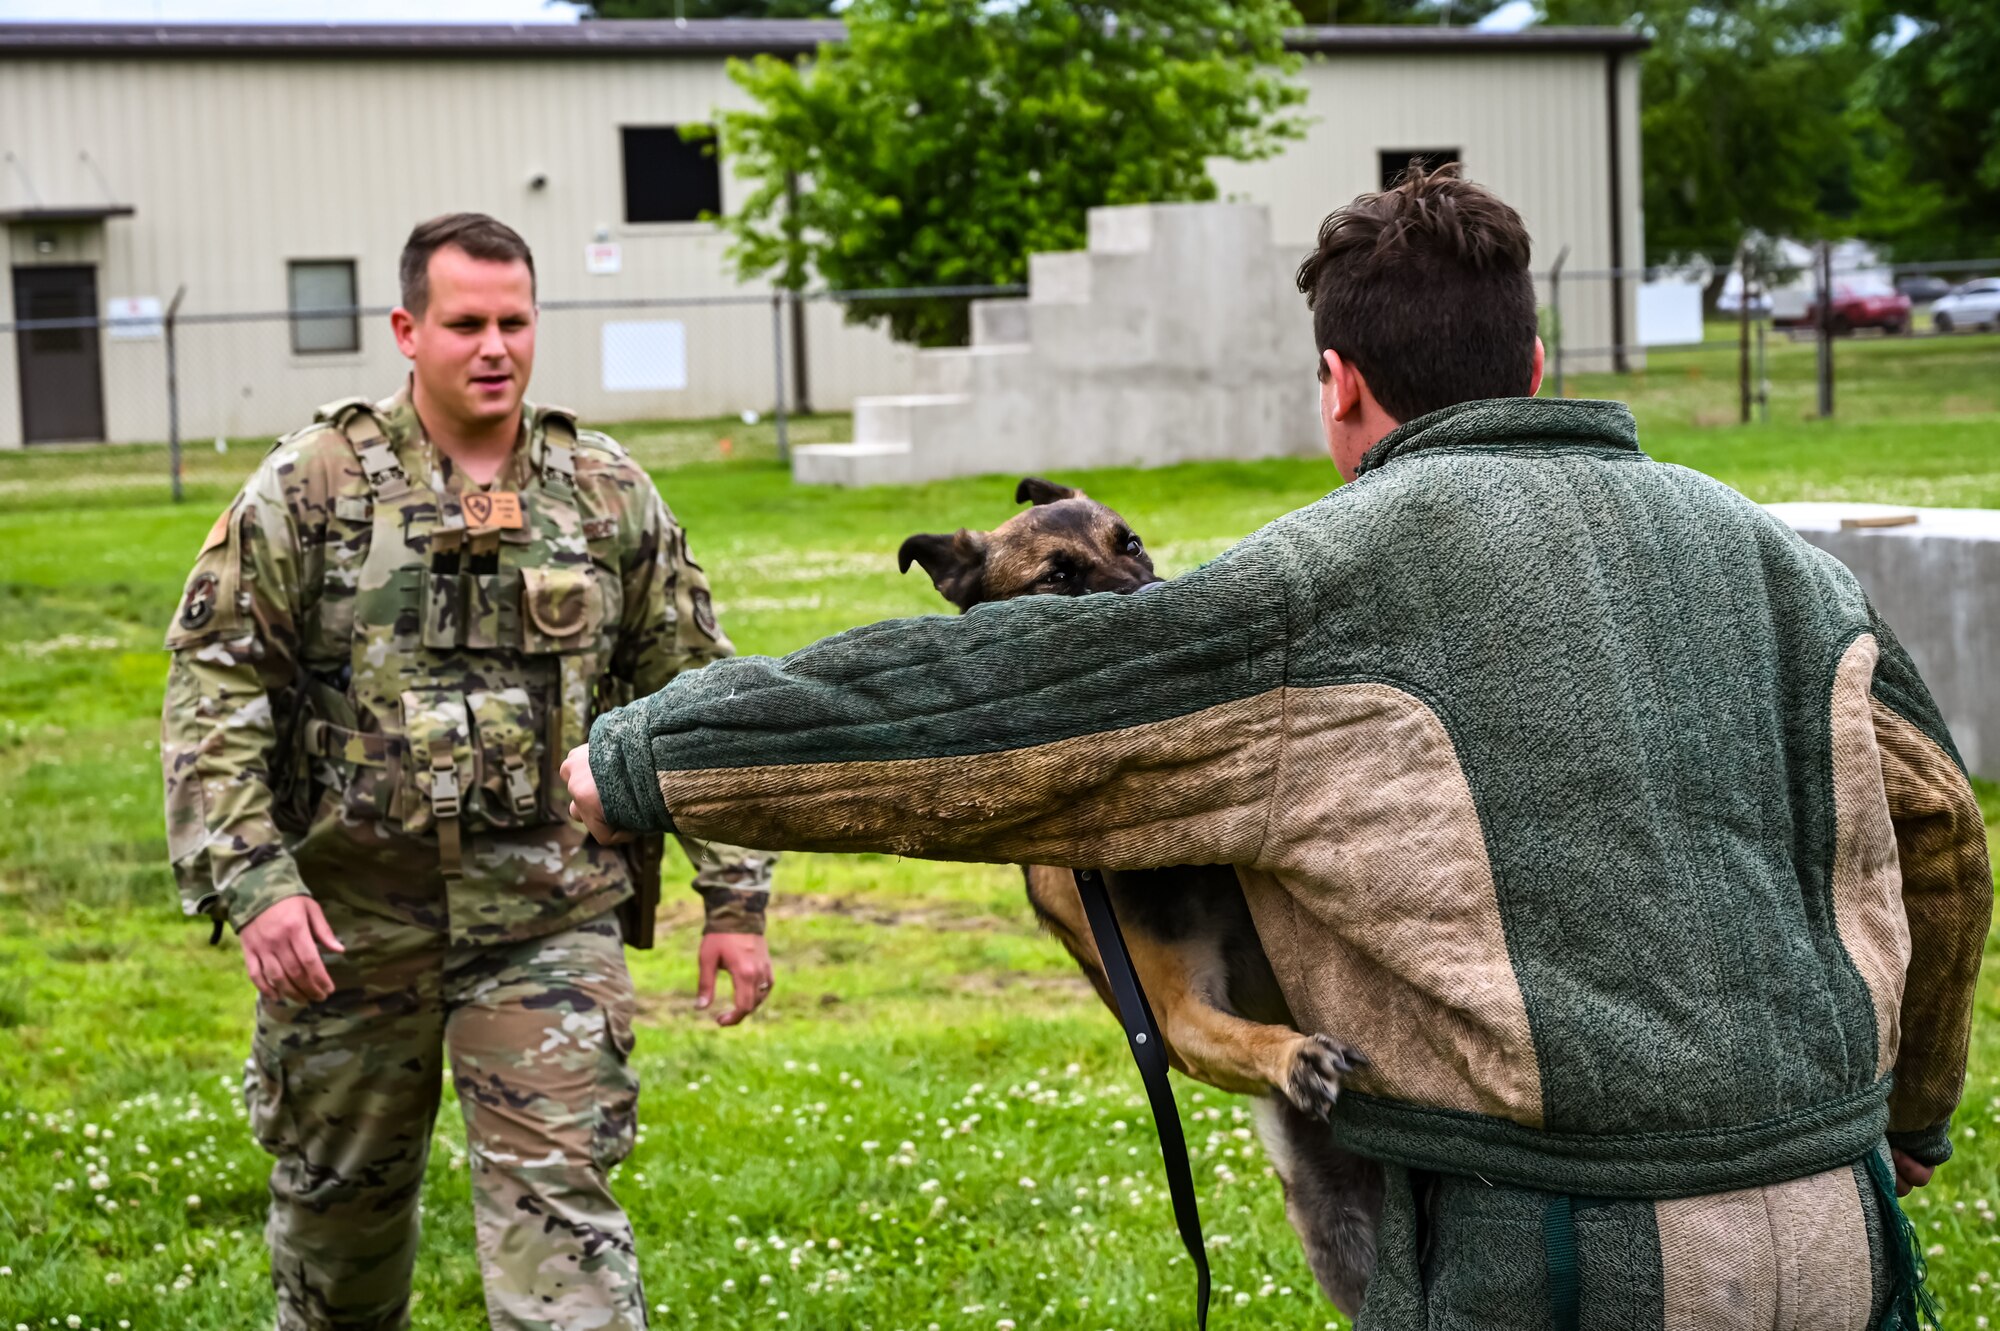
<point x="477" y="234"/>
<point x="1424" y="288"/>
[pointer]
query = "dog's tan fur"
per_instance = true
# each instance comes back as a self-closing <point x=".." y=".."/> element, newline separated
<point x="1193" y="943"/>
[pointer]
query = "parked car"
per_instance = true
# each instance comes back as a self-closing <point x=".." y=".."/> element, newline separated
<point x="1860" y="302"/>
<point x="1974" y="305"/>
<point x="1922" y="287"/>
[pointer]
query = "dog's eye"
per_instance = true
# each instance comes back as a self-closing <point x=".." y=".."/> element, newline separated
<point x="1132" y="546"/>
<point x="1058" y="574"/>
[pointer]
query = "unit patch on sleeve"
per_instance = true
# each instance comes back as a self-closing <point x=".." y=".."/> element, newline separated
<point x="199" y="607"/>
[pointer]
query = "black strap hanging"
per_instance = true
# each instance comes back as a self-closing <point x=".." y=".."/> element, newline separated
<point x="1150" y="1053"/>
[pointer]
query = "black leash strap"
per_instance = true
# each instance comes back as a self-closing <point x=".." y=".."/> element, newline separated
<point x="1150" y="1053"/>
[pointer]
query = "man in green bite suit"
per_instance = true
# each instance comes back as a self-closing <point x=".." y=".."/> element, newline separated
<point x="1602" y="812"/>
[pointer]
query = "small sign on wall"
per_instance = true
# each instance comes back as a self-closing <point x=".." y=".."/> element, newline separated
<point x="1669" y="312"/>
<point x="133" y="318"/>
<point x="645" y="357"/>
<point x="603" y="258"/>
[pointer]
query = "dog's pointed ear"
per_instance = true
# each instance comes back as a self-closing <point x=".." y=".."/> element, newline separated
<point x="956" y="563"/>
<point x="1035" y="490"/>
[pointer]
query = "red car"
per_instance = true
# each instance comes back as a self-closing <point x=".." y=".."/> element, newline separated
<point x="1861" y="303"/>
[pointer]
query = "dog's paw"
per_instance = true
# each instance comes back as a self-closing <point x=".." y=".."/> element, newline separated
<point x="1317" y="1067"/>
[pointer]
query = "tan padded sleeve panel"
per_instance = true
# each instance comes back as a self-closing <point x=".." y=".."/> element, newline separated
<point x="1192" y="790"/>
<point x="1867" y="883"/>
<point x="1376" y="901"/>
<point x="1948" y="900"/>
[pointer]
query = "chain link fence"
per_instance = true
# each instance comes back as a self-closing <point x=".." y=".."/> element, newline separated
<point x="171" y="404"/>
<point x="179" y="404"/>
<point x="1761" y="343"/>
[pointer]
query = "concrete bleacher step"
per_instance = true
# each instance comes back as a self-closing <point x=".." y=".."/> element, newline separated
<point x="892" y="419"/>
<point x="886" y="463"/>
<point x="962" y="370"/>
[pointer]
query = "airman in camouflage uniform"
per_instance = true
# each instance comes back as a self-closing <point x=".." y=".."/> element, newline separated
<point x="377" y="666"/>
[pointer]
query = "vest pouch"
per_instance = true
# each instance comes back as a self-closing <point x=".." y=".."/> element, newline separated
<point x="481" y="590"/>
<point x="436" y="722"/>
<point x="444" y="591"/>
<point x="562" y="608"/>
<point x="503" y="724"/>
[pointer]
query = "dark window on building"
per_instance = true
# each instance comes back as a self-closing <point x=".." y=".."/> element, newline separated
<point x="1398" y="160"/>
<point x="669" y="178"/>
<point x="324" y="284"/>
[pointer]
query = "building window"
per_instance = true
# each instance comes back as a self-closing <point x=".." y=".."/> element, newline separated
<point x="669" y="178"/>
<point x="324" y="284"/>
<point x="1398" y="160"/>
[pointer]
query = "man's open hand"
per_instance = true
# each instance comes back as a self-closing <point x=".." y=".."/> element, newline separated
<point x="281" y="951"/>
<point x="584" y="806"/>
<point x="748" y="962"/>
<point x="1910" y="1172"/>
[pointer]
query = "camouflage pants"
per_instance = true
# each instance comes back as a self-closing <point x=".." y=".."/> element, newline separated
<point x="344" y="1094"/>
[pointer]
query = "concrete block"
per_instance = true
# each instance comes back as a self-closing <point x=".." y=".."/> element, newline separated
<point x="999" y="323"/>
<point x="1176" y="336"/>
<point x="1936" y="582"/>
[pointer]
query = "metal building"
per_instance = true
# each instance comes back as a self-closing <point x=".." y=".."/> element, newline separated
<point x="267" y="169"/>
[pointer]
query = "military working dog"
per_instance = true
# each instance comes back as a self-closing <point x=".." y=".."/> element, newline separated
<point x="1189" y="930"/>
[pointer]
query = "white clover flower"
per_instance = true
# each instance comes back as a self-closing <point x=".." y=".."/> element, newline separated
<point x="742" y="1243"/>
<point x="764" y="1280"/>
<point x="870" y="1146"/>
<point x="194" y="1200"/>
<point x="1004" y="1324"/>
<point x="73" y="1320"/>
<point x="729" y="1287"/>
<point x="1027" y="1182"/>
<point x="928" y="1185"/>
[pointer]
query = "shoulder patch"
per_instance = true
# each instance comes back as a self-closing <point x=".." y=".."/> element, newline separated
<point x="596" y="441"/>
<point x="331" y="412"/>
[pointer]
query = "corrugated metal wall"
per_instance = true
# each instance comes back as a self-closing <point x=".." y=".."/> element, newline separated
<point x="236" y="165"/>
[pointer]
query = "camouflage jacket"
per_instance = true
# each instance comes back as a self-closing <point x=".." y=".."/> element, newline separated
<point x="378" y="667"/>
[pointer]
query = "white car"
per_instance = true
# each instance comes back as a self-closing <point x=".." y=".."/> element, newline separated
<point x="1974" y="305"/>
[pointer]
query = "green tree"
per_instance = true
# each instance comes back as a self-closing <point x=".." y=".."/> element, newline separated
<point x="1928" y="128"/>
<point x="1742" y="116"/>
<point x="945" y="140"/>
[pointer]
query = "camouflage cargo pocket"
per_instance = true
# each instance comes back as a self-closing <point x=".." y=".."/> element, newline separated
<point x="562" y="608"/>
<point x="503" y="721"/>
<point x="433" y="719"/>
<point x="264" y="1099"/>
<point x="617" y="1092"/>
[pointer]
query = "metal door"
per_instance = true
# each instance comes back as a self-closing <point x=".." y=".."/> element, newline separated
<point x="62" y="386"/>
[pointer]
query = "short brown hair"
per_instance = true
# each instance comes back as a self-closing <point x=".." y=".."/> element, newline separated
<point x="477" y="234"/>
<point x="1425" y="289"/>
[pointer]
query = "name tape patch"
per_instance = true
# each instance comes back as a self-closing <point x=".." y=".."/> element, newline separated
<point x="492" y="510"/>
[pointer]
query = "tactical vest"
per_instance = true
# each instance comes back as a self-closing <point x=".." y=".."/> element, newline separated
<point x="452" y="661"/>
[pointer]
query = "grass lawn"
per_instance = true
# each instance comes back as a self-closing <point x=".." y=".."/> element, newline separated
<point x="932" y="1122"/>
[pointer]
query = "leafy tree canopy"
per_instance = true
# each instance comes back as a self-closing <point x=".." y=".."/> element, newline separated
<point x="1927" y="121"/>
<point x="946" y="140"/>
<point x="1742" y="116"/>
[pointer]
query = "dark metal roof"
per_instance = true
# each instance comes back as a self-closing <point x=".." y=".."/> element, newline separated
<point x="82" y="212"/>
<point x="789" y="37"/>
<point x="1419" y="37"/>
<point x="611" y="37"/>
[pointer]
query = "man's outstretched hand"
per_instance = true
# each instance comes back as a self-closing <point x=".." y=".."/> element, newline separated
<point x="584" y="806"/>
<point x="748" y="962"/>
<point x="1910" y="1172"/>
<point x="281" y="951"/>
